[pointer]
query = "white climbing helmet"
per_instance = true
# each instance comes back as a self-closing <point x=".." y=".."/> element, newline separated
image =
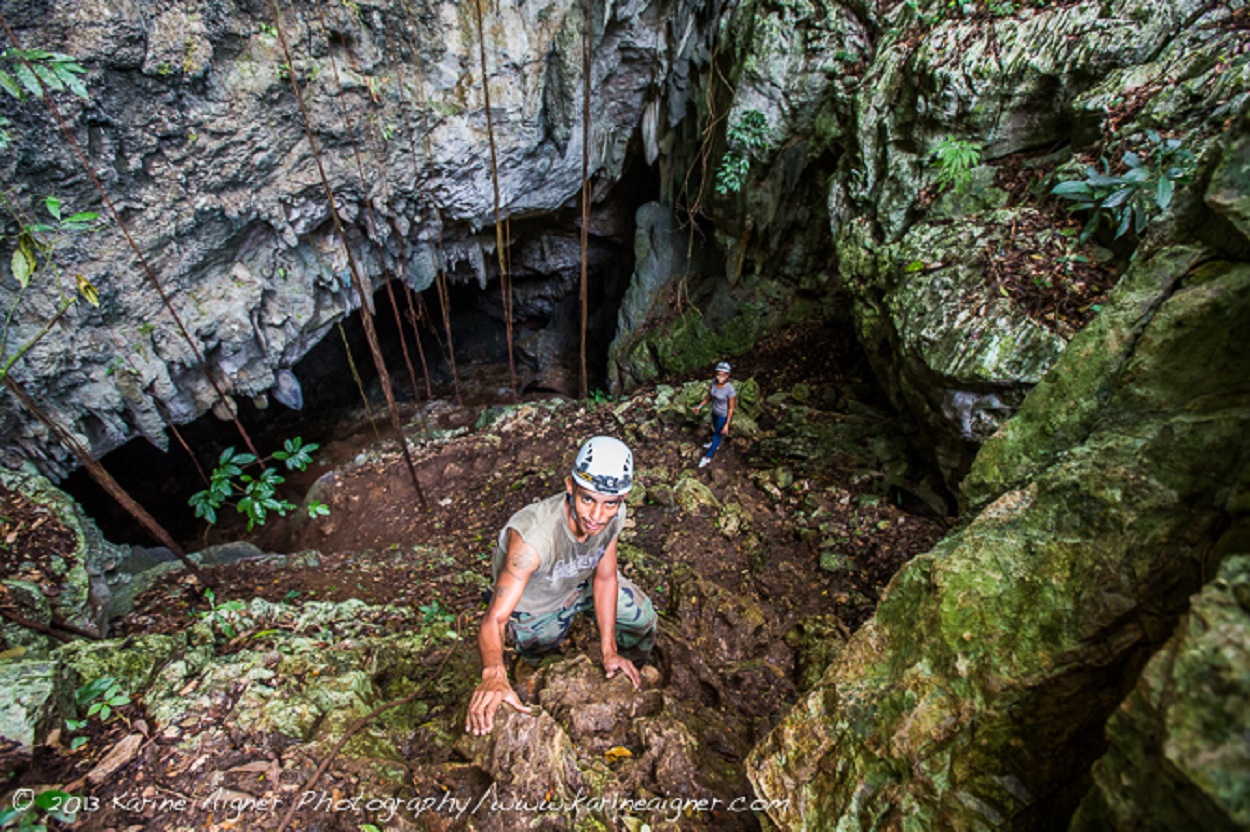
<point x="604" y="465"/>
<point x="722" y="367"/>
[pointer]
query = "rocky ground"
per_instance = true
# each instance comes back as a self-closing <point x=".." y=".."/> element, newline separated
<point x="760" y="564"/>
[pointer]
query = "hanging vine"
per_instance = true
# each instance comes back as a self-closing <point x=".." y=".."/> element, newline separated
<point x="360" y="385"/>
<point x="583" y="386"/>
<point x="360" y="169"/>
<point x="505" y="284"/>
<point x="353" y="267"/>
<point x="106" y="481"/>
<point x="440" y="271"/>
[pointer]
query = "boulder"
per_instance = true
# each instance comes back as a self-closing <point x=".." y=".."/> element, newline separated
<point x="976" y="696"/>
<point x="1177" y="756"/>
<point x="36" y="700"/>
<point x="949" y="349"/>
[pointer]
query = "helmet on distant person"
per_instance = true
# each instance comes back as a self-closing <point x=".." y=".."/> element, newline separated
<point x="604" y="465"/>
<point x="722" y="367"/>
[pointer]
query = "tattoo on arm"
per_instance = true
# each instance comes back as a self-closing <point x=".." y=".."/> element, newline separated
<point x="522" y="562"/>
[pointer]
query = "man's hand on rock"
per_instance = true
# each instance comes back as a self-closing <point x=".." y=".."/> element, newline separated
<point x="490" y="694"/>
<point x="612" y="662"/>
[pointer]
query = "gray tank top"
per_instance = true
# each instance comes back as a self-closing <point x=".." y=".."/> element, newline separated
<point x="565" y="564"/>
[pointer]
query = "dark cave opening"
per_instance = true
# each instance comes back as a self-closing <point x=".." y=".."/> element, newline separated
<point x="544" y="255"/>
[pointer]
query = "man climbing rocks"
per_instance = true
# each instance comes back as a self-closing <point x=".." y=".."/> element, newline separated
<point x="557" y="558"/>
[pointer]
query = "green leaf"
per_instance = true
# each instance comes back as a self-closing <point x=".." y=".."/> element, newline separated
<point x="93" y="689"/>
<point x="1091" y="227"/>
<point x="82" y="217"/>
<point x="66" y="73"/>
<point x="51" y="799"/>
<point x="49" y="78"/>
<point x="105" y="713"/>
<point x="1071" y="189"/>
<point x="77" y="743"/>
<point x="1131" y="159"/>
<point x="10" y="85"/>
<point x="1118" y="198"/>
<point x="1163" y="193"/>
<point x="53" y="205"/>
<point x="1098" y="180"/>
<point x="22" y="267"/>
<point x="28" y="79"/>
<point x="1122" y="228"/>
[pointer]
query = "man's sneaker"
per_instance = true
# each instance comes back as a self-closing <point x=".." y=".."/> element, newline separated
<point x="704" y="462"/>
<point x="707" y="444"/>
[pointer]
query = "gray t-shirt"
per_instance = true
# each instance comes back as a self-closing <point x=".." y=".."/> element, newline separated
<point x="720" y="398"/>
<point x="564" y="562"/>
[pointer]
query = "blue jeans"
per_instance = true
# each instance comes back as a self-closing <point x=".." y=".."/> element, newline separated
<point x="534" y="635"/>
<point x="718" y="422"/>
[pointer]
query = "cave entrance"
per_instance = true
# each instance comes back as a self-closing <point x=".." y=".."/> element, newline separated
<point x="544" y="264"/>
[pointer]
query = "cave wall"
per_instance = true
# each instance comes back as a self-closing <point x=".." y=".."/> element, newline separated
<point x="196" y="136"/>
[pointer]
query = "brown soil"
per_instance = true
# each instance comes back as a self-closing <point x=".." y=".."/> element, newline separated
<point x="31" y="538"/>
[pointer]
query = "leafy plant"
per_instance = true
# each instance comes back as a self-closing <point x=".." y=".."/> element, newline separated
<point x="217" y="613"/>
<point x="48" y="804"/>
<point x="746" y="136"/>
<point x="34" y="70"/>
<point x="1130" y="200"/>
<point x="433" y="613"/>
<point x="257" y="493"/>
<point x="955" y="160"/>
<point x="33" y="247"/>
<point x="101" y="697"/>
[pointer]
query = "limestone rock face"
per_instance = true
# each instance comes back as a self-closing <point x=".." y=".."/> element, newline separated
<point x="977" y="695"/>
<point x="199" y="141"/>
<point x="1177" y="757"/>
<point x="953" y="352"/>
<point x="35" y="701"/>
<point x="859" y="99"/>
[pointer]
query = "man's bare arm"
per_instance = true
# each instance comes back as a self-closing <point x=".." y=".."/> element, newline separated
<point x="605" y="592"/>
<point x="519" y="565"/>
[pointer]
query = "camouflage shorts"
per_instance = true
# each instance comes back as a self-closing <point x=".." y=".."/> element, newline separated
<point x="534" y="635"/>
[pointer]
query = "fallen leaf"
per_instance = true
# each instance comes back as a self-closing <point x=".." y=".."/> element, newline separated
<point x="121" y="754"/>
<point x="619" y="752"/>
